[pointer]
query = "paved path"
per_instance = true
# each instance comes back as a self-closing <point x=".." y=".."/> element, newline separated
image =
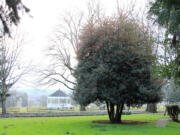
<point x="161" y="122"/>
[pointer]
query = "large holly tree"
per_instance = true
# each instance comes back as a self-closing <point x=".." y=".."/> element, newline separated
<point x="114" y="65"/>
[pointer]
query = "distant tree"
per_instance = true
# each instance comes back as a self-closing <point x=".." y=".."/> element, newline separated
<point x="166" y="13"/>
<point x="160" y="60"/>
<point x="15" y="97"/>
<point x="64" y="45"/>
<point x="173" y="94"/>
<point x="24" y="98"/>
<point x="152" y="107"/>
<point x="115" y="63"/>
<point x="10" y="69"/>
<point x="12" y="100"/>
<point x="43" y="101"/>
<point x="9" y="13"/>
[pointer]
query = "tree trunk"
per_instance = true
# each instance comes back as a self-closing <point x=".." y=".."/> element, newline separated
<point x="3" y="107"/>
<point x="3" y="96"/>
<point x="151" y="108"/>
<point x="82" y="108"/>
<point x="115" y="112"/>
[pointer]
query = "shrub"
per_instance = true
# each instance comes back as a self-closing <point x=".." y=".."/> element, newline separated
<point x="173" y="111"/>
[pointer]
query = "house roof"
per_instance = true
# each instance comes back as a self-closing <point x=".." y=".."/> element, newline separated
<point x="58" y="93"/>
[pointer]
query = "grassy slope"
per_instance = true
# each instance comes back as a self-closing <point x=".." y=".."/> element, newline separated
<point x="84" y="126"/>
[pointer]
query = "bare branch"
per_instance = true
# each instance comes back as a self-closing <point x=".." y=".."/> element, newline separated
<point x="64" y="45"/>
<point x="10" y="68"/>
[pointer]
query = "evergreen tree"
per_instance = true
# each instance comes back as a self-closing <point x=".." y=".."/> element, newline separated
<point x="114" y="65"/>
<point x="166" y="13"/>
<point x="9" y="13"/>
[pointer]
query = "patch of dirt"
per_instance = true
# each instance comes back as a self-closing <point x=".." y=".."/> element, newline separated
<point x="126" y="122"/>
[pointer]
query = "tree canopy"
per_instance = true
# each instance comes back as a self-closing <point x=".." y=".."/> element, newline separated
<point x="114" y="65"/>
<point x="9" y="13"/>
<point x="166" y="13"/>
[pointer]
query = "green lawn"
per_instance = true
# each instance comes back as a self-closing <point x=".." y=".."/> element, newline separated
<point x="84" y="126"/>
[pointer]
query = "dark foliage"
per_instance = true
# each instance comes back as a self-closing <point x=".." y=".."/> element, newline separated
<point x="115" y="61"/>
<point x="167" y="14"/>
<point x="9" y="13"/>
<point x="173" y="111"/>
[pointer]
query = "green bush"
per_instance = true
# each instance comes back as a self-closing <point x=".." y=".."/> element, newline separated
<point x="173" y="110"/>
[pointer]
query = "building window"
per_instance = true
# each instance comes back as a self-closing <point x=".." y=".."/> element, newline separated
<point x="54" y="101"/>
<point x="62" y="101"/>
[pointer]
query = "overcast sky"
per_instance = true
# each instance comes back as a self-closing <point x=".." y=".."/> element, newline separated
<point x="45" y="16"/>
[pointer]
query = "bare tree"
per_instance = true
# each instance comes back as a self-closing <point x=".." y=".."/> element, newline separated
<point x="64" y="46"/>
<point x="43" y="101"/>
<point x="16" y="99"/>
<point x="10" y="69"/>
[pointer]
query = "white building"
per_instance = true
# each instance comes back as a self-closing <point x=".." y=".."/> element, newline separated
<point x="59" y="100"/>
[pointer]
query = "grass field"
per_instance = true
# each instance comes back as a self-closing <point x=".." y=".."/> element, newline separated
<point x="83" y="126"/>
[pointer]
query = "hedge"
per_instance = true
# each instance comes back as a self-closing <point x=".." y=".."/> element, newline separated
<point x="173" y="111"/>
